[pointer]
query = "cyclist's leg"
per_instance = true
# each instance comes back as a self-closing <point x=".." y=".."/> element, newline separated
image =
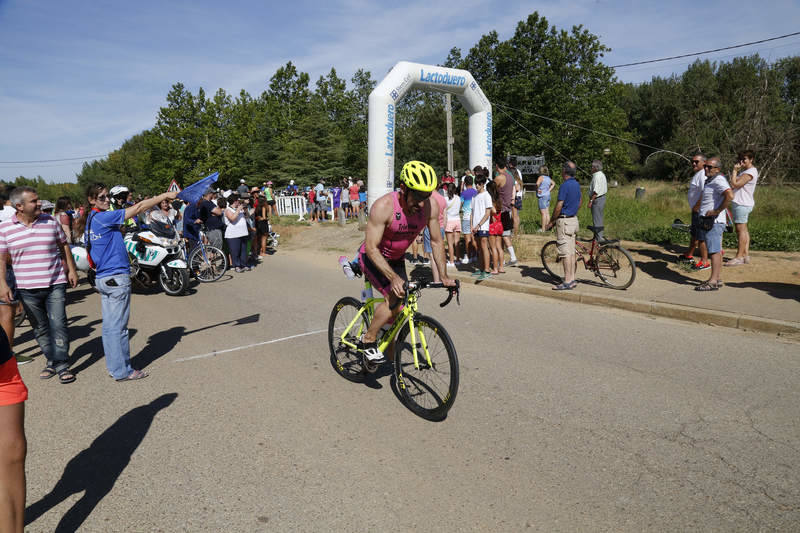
<point x="387" y="310"/>
<point x="384" y="314"/>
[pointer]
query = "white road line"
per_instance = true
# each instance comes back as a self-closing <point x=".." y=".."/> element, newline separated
<point x="218" y="352"/>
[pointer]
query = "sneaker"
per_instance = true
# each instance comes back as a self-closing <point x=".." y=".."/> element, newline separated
<point x="426" y="261"/>
<point x="371" y="351"/>
<point x="512" y="262"/>
<point x="484" y="275"/>
<point x="683" y="258"/>
<point x="23" y="359"/>
<point x="701" y="266"/>
<point x="477" y="273"/>
<point x="465" y="261"/>
<point x="239" y="270"/>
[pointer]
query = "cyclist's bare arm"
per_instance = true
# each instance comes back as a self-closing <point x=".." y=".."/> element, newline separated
<point x="380" y="216"/>
<point x="437" y="244"/>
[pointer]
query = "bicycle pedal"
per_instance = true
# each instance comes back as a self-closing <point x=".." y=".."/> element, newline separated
<point x="371" y="367"/>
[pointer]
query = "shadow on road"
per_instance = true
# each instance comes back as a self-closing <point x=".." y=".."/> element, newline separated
<point x="783" y="291"/>
<point x="537" y="273"/>
<point x="95" y="470"/>
<point x="161" y="343"/>
<point x="659" y="267"/>
<point x="93" y="347"/>
<point x="77" y="295"/>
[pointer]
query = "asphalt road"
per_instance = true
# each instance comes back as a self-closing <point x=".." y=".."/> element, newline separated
<point x="568" y="418"/>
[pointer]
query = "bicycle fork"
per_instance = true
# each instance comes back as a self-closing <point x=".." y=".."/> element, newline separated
<point x="423" y="343"/>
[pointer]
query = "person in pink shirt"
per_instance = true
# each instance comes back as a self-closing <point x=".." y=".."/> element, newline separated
<point x="395" y="219"/>
<point x="43" y="265"/>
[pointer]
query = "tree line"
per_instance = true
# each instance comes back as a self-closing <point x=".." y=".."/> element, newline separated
<point x="551" y="95"/>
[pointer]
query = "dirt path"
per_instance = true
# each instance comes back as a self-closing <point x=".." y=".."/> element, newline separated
<point x="329" y="239"/>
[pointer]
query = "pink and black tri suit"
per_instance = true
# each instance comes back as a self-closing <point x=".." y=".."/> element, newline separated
<point x="397" y="237"/>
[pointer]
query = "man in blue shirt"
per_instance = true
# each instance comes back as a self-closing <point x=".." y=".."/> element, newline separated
<point x="565" y="220"/>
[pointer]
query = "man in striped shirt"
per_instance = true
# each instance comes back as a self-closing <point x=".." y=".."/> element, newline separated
<point x="39" y="254"/>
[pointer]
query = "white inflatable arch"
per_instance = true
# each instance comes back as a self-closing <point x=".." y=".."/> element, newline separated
<point x="383" y="100"/>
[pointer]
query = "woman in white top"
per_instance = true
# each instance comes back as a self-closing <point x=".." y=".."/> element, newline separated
<point x="743" y="182"/>
<point x="452" y="225"/>
<point x="236" y="233"/>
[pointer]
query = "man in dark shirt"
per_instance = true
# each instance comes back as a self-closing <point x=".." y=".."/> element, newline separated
<point x="505" y="187"/>
<point x="565" y="220"/>
<point x="211" y="215"/>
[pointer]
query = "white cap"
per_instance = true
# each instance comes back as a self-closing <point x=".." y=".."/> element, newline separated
<point x="241" y="180"/>
<point x="291" y="182"/>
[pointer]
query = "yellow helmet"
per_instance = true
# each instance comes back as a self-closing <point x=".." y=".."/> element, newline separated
<point x="418" y="176"/>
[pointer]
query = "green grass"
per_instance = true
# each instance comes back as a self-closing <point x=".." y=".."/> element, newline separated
<point x="774" y="223"/>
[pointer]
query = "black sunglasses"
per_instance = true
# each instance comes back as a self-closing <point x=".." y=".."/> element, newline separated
<point x="709" y="166"/>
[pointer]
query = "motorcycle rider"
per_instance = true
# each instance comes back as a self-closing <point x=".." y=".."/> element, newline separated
<point x="118" y="199"/>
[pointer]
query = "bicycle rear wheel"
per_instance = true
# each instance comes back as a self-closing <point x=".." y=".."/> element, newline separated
<point x="615" y="267"/>
<point x="207" y="267"/>
<point x="550" y="259"/>
<point x="430" y="390"/>
<point x="345" y="359"/>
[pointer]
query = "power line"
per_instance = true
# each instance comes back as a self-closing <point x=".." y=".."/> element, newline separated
<point x="587" y="129"/>
<point x="541" y="140"/>
<point x="54" y="160"/>
<point x="707" y="51"/>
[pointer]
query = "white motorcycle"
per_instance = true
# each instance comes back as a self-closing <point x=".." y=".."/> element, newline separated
<point x="153" y="253"/>
<point x="156" y="253"/>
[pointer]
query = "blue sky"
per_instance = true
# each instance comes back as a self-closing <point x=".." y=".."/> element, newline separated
<point x="78" y="78"/>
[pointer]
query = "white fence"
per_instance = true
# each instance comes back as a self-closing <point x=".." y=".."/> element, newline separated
<point x="291" y="205"/>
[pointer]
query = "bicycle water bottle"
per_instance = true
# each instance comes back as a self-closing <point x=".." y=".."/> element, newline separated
<point x="366" y="293"/>
<point x="344" y="262"/>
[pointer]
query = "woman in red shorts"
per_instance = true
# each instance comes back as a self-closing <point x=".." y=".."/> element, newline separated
<point x="13" y="446"/>
<point x="495" y="230"/>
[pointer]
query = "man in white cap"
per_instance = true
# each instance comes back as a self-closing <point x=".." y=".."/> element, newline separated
<point x="243" y="190"/>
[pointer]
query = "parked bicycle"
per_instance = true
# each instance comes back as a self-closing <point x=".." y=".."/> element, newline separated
<point x="206" y="263"/>
<point x="425" y="359"/>
<point x="608" y="260"/>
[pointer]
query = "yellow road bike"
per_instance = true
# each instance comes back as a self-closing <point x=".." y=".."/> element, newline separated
<point x="424" y="357"/>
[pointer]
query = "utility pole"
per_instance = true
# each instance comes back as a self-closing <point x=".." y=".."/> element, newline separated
<point x="450" y="140"/>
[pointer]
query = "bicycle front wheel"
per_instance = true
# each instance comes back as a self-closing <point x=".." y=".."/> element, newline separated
<point x="428" y="388"/>
<point x="208" y="266"/>
<point x="550" y="259"/>
<point x="615" y="267"/>
<point x="345" y="359"/>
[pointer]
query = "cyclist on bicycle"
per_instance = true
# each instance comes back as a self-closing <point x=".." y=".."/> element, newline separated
<point x="395" y="220"/>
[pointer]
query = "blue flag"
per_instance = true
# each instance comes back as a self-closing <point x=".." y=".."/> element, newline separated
<point x="193" y="192"/>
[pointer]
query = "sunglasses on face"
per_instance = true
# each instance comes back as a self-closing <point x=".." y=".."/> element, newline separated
<point x="418" y="197"/>
<point x="709" y="167"/>
<point x="696" y="162"/>
<point x="102" y="198"/>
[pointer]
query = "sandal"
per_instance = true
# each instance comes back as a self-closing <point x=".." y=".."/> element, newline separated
<point x="565" y="286"/>
<point x="706" y="286"/>
<point x="136" y="374"/>
<point x="48" y="372"/>
<point x="65" y="376"/>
